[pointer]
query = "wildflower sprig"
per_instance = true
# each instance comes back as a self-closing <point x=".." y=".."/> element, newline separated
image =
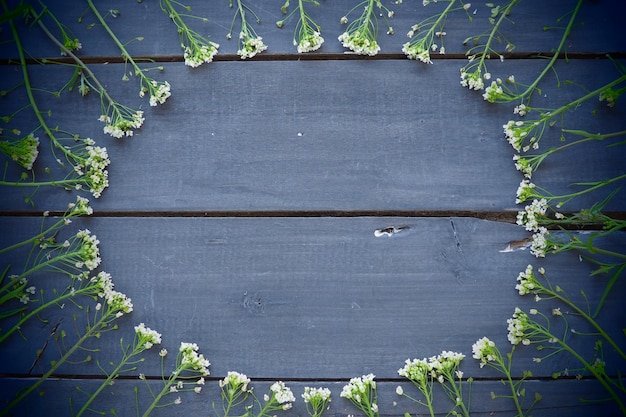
<point x="527" y="164"/>
<point x="120" y="120"/>
<point x="278" y="398"/>
<point x="23" y="151"/>
<point x="317" y="400"/>
<point x="110" y="306"/>
<point x="523" y="135"/>
<point x="250" y="43"/>
<point x="475" y="73"/>
<point x="144" y="339"/>
<point x="488" y="354"/>
<point x="71" y="257"/>
<point x="524" y="329"/>
<point x="197" y="49"/>
<point x="306" y="36"/>
<point x="69" y="41"/>
<point x="529" y="283"/>
<point x="443" y="368"/>
<point x="422" y="35"/>
<point x="190" y="369"/>
<point x="158" y="91"/>
<point x="235" y="389"/>
<point x="496" y="92"/>
<point x="88" y="162"/>
<point x="362" y="33"/>
<point x="361" y="391"/>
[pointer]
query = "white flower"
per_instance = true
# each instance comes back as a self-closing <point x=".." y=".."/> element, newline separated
<point x="147" y="336"/>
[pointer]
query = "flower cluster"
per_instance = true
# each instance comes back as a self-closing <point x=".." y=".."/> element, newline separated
<point x="317" y="400"/>
<point x="122" y="121"/>
<point x="89" y="252"/>
<point x="117" y="302"/>
<point x="418" y="49"/>
<point x="361" y="391"/>
<point x="93" y="168"/>
<point x="437" y="367"/>
<point x="307" y="36"/>
<point x="532" y="214"/>
<point x="250" y="43"/>
<point x="423" y="34"/>
<point x="24" y="151"/>
<point x="197" y="49"/>
<point x="146" y="337"/>
<point x="308" y="41"/>
<point x="361" y="34"/>
<point x="235" y="381"/>
<point x="518" y="132"/>
<point x="281" y="394"/>
<point x="159" y="91"/>
<point x="191" y="359"/>
<point x="198" y="55"/>
<point x="485" y="351"/>
<point x="473" y="80"/>
<point x="79" y="208"/>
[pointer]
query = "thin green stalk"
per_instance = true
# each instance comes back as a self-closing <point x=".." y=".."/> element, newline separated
<point x="92" y="331"/>
<point x="111" y="376"/>
<point x="589" y="319"/>
<point x="102" y="91"/>
<point x="548" y="67"/>
<point x="599" y="376"/>
<point x="42" y="307"/>
<point x="122" y="48"/>
<point x="163" y="392"/>
<point x="491" y="37"/>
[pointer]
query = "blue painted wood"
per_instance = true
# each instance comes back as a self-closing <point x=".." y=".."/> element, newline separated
<point x="120" y="397"/>
<point x="285" y="136"/>
<point x="598" y="29"/>
<point x="318" y="297"/>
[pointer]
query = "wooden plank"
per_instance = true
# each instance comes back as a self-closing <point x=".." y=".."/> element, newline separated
<point x="316" y="297"/>
<point x="599" y="27"/>
<point x="561" y="396"/>
<point x="285" y="136"/>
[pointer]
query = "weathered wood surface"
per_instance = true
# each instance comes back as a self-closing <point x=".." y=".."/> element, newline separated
<point x="395" y="147"/>
<point x="121" y="397"/>
<point x="598" y="32"/>
<point x="242" y="215"/>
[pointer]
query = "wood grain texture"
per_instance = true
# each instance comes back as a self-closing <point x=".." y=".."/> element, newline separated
<point x="567" y="398"/>
<point x="326" y="135"/>
<point x="319" y="297"/>
<point x="219" y="225"/>
<point x="598" y="29"/>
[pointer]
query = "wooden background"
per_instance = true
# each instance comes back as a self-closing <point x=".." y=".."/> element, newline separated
<point x="241" y="216"/>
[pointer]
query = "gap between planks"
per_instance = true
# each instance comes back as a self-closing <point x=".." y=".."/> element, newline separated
<point x="497" y="216"/>
<point x="346" y="56"/>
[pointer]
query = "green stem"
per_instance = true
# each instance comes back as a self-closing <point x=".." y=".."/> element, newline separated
<point x="165" y="390"/>
<point x="109" y="381"/>
<point x="40" y="184"/>
<point x="91" y="332"/>
<point x="42" y="307"/>
<point x="599" y="376"/>
<point x="589" y="319"/>
<point x="507" y="372"/>
<point x="27" y="84"/>
<point x="568" y="30"/>
<point x="125" y="53"/>
<point x="81" y="64"/>
<point x="493" y="32"/>
<point x="34" y="239"/>
<point x="597" y="185"/>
